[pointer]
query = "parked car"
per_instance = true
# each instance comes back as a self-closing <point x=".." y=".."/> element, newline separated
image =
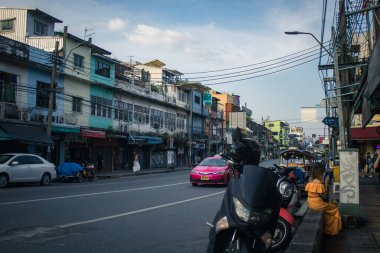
<point x="20" y="168"/>
<point x="212" y="170"/>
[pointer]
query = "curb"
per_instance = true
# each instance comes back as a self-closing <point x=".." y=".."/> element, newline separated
<point x="140" y="173"/>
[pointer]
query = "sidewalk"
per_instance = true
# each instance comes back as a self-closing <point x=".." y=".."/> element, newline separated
<point x="128" y="173"/>
<point x="365" y="238"/>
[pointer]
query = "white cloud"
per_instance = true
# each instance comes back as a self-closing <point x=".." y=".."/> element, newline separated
<point x="146" y="35"/>
<point x="116" y="24"/>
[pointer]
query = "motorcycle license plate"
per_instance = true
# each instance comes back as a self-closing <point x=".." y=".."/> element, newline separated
<point x="204" y="177"/>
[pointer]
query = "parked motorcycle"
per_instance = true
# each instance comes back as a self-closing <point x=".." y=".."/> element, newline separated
<point x="248" y="216"/>
<point x="290" y="204"/>
<point x="88" y="171"/>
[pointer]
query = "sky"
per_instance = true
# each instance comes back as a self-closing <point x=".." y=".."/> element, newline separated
<point x="195" y="36"/>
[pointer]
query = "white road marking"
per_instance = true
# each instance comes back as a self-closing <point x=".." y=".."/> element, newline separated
<point x="137" y="211"/>
<point x="89" y="194"/>
<point x="42" y="230"/>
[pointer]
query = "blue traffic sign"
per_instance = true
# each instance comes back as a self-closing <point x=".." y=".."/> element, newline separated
<point x="330" y="121"/>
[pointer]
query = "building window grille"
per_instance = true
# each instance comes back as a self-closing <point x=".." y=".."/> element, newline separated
<point x="77" y="104"/>
<point x="43" y="93"/>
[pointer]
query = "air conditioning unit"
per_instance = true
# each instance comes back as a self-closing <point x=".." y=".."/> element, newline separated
<point x="25" y="116"/>
<point x="70" y="119"/>
<point x="123" y="128"/>
<point x="42" y="118"/>
<point x="11" y="111"/>
<point x="60" y="119"/>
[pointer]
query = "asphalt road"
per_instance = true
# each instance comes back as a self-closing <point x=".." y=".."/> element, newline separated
<point x="149" y="213"/>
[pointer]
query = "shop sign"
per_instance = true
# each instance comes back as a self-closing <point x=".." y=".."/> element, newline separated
<point x="93" y="134"/>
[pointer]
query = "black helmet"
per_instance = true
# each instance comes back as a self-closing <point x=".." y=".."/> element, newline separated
<point x="245" y="149"/>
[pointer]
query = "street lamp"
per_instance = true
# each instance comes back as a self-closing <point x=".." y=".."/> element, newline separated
<point x="297" y="33"/>
<point x="337" y="83"/>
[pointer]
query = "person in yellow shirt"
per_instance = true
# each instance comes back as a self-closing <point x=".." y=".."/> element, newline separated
<point x="315" y="198"/>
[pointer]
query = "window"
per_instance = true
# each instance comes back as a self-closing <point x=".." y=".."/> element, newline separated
<point x="182" y="97"/>
<point x="275" y="133"/>
<point x="8" y="83"/>
<point x="271" y="125"/>
<point x="181" y="119"/>
<point x="101" y="107"/>
<point x="34" y="160"/>
<point x="7" y="25"/>
<point x="170" y="120"/>
<point x="78" y="61"/>
<point x="141" y="114"/>
<point x="157" y="118"/>
<point x="40" y="28"/>
<point x="123" y="111"/>
<point x="197" y="99"/>
<point x="102" y="69"/>
<point x="43" y="93"/>
<point x="77" y="104"/>
<point x="22" y="159"/>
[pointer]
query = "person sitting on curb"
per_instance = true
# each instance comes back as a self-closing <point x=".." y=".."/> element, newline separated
<point x="316" y="201"/>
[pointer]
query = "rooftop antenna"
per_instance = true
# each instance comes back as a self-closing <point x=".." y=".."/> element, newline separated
<point x="85" y="32"/>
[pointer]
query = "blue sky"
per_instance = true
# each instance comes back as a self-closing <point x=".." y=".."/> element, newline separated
<point x="204" y="35"/>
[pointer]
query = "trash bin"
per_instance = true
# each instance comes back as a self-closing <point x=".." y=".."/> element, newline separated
<point x="336" y="173"/>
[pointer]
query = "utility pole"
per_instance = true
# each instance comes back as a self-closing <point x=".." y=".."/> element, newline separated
<point x="52" y="96"/>
<point x="191" y="126"/>
<point x="338" y="94"/>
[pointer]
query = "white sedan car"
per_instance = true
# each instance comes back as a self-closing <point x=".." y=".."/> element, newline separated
<point x="18" y="167"/>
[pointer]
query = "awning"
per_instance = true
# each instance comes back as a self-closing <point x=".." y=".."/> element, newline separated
<point x="27" y="133"/>
<point x="65" y="129"/>
<point x="93" y="133"/>
<point x="150" y="140"/>
<point x="4" y="136"/>
<point x="368" y="133"/>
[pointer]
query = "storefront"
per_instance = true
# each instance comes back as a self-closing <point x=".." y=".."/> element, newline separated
<point x="151" y="150"/>
<point x="365" y="139"/>
<point x="26" y="138"/>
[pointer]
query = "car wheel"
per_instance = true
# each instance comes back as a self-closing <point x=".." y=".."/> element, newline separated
<point x="46" y="179"/>
<point x="4" y="180"/>
<point x="194" y="184"/>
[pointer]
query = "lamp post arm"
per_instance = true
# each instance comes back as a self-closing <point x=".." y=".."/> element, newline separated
<point x="296" y="33"/>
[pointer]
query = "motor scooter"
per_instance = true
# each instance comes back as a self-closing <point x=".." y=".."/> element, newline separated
<point x="290" y="204"/>
<point x="247" y="218"/>
<point x="249" y="213"/>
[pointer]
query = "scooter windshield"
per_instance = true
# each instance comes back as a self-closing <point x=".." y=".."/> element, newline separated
<point x="257" y="186"/>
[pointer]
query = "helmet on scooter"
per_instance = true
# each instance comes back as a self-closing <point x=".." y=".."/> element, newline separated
<point x="245" y="148"/>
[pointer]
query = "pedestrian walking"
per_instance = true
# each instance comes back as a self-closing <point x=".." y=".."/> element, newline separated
<point x="99" y="159"/>
<point x="369" y="164"/>
<point x="136" y="163"/>
<point x="362" y="163"/>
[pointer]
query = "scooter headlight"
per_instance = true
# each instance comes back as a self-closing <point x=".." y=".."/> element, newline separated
<point x="286" y="189"/>
<point x="254" y="217"/>
<point x="241" y="210"/>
